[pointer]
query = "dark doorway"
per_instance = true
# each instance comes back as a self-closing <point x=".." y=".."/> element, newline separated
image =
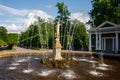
<point x="109" y="44"/>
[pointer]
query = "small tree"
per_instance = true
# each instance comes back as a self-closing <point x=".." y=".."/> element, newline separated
<point x="3" y="33"/>
<point x="12" y="39"/>
<point x="80" y="35"/>
<point x="2" y="43"/>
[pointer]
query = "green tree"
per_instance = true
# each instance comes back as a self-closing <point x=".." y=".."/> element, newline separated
<point x="49" y="34"/>
<point x="37" y="35"/>
<point x="45" y="33"/>
<point x="12" y="39"/>
<point x="30" y="38"/>
<point x="63" y="18"/>
<point x="2" y="43"/>
<point x="3" y="33"/>
<point x="80" y="36"/>
<point x="104" y="10"/>
<point x="63" y="13"/>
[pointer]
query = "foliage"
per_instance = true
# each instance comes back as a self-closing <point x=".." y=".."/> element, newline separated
<point x="104" y="10"/>
<point x="63" y="18"/>
<point x="3" y="33"/>
<point x="63" y="13"/>
<point x="80" y="35"/>
<point x="2" y="43"/>
<point x="3" y="36"/>
<point x="41" y="33"/>
<point x="12" y="39"/>
<point x="37" y="35"/>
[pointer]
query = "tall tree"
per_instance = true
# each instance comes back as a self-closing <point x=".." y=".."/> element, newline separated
<point x="63" y="18"/>
<point x="63" y="13"/>
<point x="104" y="10"/>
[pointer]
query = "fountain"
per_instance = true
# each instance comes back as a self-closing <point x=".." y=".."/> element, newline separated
<point x="57" y="60"/>
<point x="56" y="66"/>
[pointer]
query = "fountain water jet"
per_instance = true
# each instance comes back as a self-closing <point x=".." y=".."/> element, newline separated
<point x="57" y="60"/>
<point x="69" y="74"/>
<point x="12" y="68"/>
<point x="46" y="72"/>
<point x="40" y="71"/>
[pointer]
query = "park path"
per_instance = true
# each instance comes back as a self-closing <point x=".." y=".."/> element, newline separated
<point x="24" y="51"/>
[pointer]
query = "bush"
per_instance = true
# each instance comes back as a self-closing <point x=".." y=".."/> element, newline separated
<point x="2" y="43"/>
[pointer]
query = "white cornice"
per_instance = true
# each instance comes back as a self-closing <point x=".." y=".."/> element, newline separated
<point x="100" y="28"/>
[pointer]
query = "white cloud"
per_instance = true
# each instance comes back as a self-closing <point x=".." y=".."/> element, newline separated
<point x="3" y="25"/>
<point x="21" y="17"/>
<point x="32" y="16"/>
<point x="14" y="28"/>
<point x="30" y="19"/>
<point x="25" y="22"/>
<point x="12" y="10"/>
<point x="43" y="14"/>
<point x="80" y="16"/>
<point x="25" y="12"/>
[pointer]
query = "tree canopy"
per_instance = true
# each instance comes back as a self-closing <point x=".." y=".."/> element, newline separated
<point x="3" y="33"/>
<point x="63" y="13"/>
<point x="12" y="39"/>
<point x="80" y="35"/>
<point x="39" y="34"/>
<point x="63" y="18"/>
<point x="2" y="43"/>
<point x="104" y="10"/>
<point x="6" y="38"/>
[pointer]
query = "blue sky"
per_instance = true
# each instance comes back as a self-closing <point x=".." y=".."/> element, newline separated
<point x="13" y="13"/>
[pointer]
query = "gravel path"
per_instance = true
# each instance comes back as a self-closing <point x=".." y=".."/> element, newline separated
<point x="24" y="51"/>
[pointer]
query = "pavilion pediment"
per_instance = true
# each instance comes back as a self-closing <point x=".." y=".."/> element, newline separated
<point x="107" y="24"/>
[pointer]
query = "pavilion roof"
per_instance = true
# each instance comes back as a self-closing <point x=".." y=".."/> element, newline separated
<point x="105" y="26"/>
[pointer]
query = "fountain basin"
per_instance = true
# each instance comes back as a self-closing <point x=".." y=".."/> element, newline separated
<point x="36" y="71"/>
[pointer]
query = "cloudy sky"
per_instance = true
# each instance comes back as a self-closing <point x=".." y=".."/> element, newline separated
<point x="17" y="15"/>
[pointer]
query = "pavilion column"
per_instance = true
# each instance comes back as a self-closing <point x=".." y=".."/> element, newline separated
<point x="99" y="41"/>
<point x="113" y="45"/>
<point x="104" y="44"/>
<point x="96" y="41"/>
<point x="90" y="47"/>
<point x="116" y="40"/>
